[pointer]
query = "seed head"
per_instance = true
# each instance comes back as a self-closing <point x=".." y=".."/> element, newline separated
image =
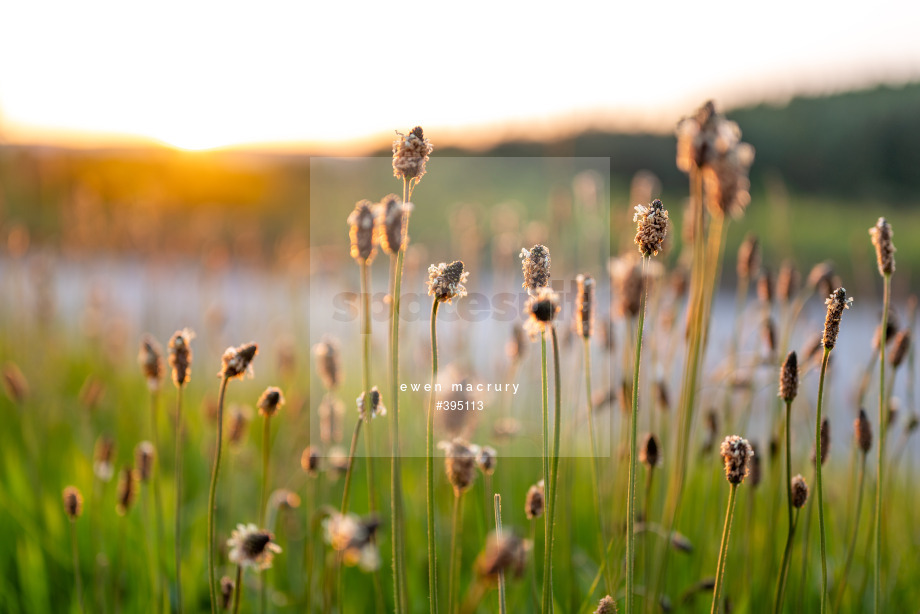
<point x="393" y="224"/>
<point x="862" y="429"/>
<point x="787" y="282"/>
<point x="901" y="345"/>
<point x="459" y="463"/>
<point x="144" y="456"/>
<point x="270" y="402"/>
<point x="238" y="424"/>
<point x="765" y="287"/>
<point x="127" y="489"/>
<point x="799" y="492"/>
<point x="584" y="306"/>
<point x="226" y="592"/>
<point x="284" y="499"/>
<point x="252" y="547"/>
<point x="837" y="302"/>
<point x="73" y="502"/>
<point x="748" y="257"/>
<point x="486" y="460"/>
<point x="309" y="461"/>
<point x="606" y="606"/>
<point x="506" y="553"/>
<point x="410" y="154"/>
<point x="14" y="383"/>
<point x="150" y="358"/>
<point x="541" y="308"/>
<point x="376" y="405"/>
<point x="768" y="329"/>
<point x="628" y="283"/>
<point x="445" y="281"/>
<point x="881" y="235"/>
<point x="651" y="227"/>
<point x="180" y="356"/>
<point x="354" y="538"/>
<point x="789" y="378"/>
<point x="533" y="504"/>
<point x="517" y="345"/>
<point x="648" y="453"/>
<point x="361" y="232"/>
<point x="825" y="442"/>
<point x="327" y="362"/>
<point x="237" y="362"/>
<point x="912" y="423"/>
<point x="535" y="263"/>
<point x="736" y="453"/>
<point x="103" y="453"/>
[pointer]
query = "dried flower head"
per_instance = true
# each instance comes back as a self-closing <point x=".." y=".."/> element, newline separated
<point x="270" y="402"/>
<point x="768" y="329"/>
<point x="535" y="263"/>
<point x="765" y="286"/>
<point x="825" y="442"/>
<point x="862" y="429"/>
<point x="73" y="502"/>
<point x="789" y="378"/>
<point x="606" y="606"/>
<point x="787" y="281"/>
<point x="628" y="282"/>
<point x="748" y="257"/>
<point x="534" y="503"/>
<point x="517" y="345"/>
<point x="144" y="456"/>
<point x="881" y="235"/>
<point x="651" y="227"/>
<point x="327" y="362"/>
<point x="584" y="305"/>
<point x="649" y="452"/>
<point x="127" y="489"/>
<point x="445" y="281"/>
<point x="331" y="418"/>
<point x="459" y="463"/>
<point x="900" y="346"/>
<point x="226" y="592"/>
<point x="503" y="553"/>
<point x="284" y="499"/>
<point x="836" y="303"/>
<point x="237" y="362"/>
<point x="799" y="492"/>
<point x="14" y="383"/>
<point x="410" y="154"/>
<point x="361" y="232"/>
<point x="726" y="181"/>
<point x="485" y="460"/>
<point x="309" y="461"/>
<point x="393" y="224"/>
<point x="103" y="453"/>
<point x="180" y="356"/>
<point x="736" y="453"/>
<point x="354" y="538"/>
<point x="150" y="358"/>
<point x="252" y="547"/>
<point x="240" y="416"/>
<point x="376" y="404"/>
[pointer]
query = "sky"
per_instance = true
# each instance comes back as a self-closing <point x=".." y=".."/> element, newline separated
<point x="198" y="75"/>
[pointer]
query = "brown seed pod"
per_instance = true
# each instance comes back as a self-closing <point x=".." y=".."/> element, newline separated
<point x="446" y="281"/>
<point x="651" y="227"/>
<point x="862" y="429"/>
<point x="361" y="222"/>
<point x="144" y="457"/>
<point x="226" y="592"/>
<point x="881" y="235"/>
<point x="837" y="302"/>
<point x="180" y="356"/>
<point x="648" y="453"/>
<point x="309" y="461"/>
<point x="73" y="502"/>
<point x="748" y="257"/>
<point x="327" y="362"/>
<point x="584" y="306"/>
<point x="237" y="362"/>
<point x="534" y="503"/>
<point x="459" y="463"/>
<point x="736" y="454"/>
<point x="127" y="490"/>
<point x="900" y="346"/>
<point x="150" y="360"/>
<point x="506" y="553"/>
<point x="535" y="264"/>
<point x="410" y="154"/>
<point x="393" y="223"/>
<point x="799" y="491"/>
<point x="606" y="606"/>
<point x="789" y="378"/>
<point x="271" y="401"/>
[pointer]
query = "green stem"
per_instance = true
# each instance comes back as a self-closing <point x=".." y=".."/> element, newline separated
<point x="238" y="589"/>
<point x="882" y="427"/>
<point x="365" y="381"/>
<point x="723" y="550"/>
<point x="784" y="568"/>
<point x="851" y="548"/>
<point x="502" y="608"/>
<point x="554" y="475"/>
<point x="429" y="464"/>
<point x="395" y="460"/>
<point x="346" y="490"/>
<point x="818" y="463"/>
<point x="454" y="582"/>
<point x="547" y="542"/>
<point x="266" y="456"/>
<point x="594" y="469"/>
<point x="212" y="494"/>
<point x="178" y="469"/>
<point x="157" y="499"/>
<point x="76" y="563"/>
<point x="781" y="585"/>
<point x="631" y="486"/>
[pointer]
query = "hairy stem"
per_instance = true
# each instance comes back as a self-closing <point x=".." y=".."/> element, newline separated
<point x="723" y="550"/>
<point x="429" y="464"/>
<point x="818" y="487"/>
<point x="882" y="427"/>
<point x="178" y="469"/>
<point x="212" y="494"/>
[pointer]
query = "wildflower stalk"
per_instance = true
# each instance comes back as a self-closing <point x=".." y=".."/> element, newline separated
<point x="793" y="518"/>
<point x="157" y="500"/>
<point x="456" y="523"/>
<point x="178" y="469"/>
<point x="78" y="581"/>
<point x="818" y="484"/>
<point x="429" y="464"/>
<point x="238" y="589"/>
<point x="212" y="493"/>
<point x="502" y="608"/>
<point x="851" y="547"/>
<point x="554" y="473"/>
<point x="263" y="500"/>
<point x="882" y="427"/>
<point x="723" y="550"/>
<point x="631" y="486"/>
<point x="346" y="489"/>
<point x="365" y="385"/>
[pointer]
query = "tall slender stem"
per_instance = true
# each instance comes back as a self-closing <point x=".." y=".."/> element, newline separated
<point x="366" y="385"/>
<point x="882" y="427"/>
<point x="454" y="582"/>
<point x="502" y="608"/>
<point x="157" y="499"/>
<point x="395" y="461"/>
<point x="851" y="547"/>
<point x="263" y="501"/>
<point x="346" y="490"/>
<point x="631" y="487"/>
<point x="212" y="494"/>
<point x="557" y="432"/>
<point x="76" y="563"/>
<point x="429" y="464"/>
<point x="238" y="589"/>
<point x="781" y="584"/>
<point x="818" y="463"/>
<point x="547" y="542"/>
<point x="723" y="550"/>
<point x="178" y="469"/>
